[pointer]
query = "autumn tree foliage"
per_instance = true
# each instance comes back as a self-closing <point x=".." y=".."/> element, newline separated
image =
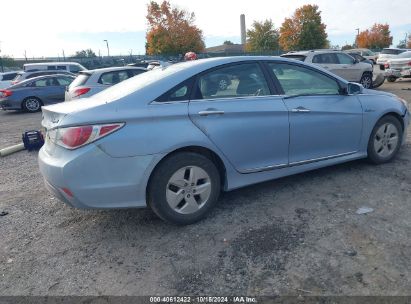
<point x="171" y="30"/>
<point x="377" y="37"/>
<point x="304" y="30"/>
<point x="262" y="36"/>
<point x="409" y="42"/>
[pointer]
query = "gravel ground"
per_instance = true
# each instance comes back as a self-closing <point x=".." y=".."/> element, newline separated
<point x="289" y="236"/>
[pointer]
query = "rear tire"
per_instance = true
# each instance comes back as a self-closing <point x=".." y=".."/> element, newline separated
<point x="391" y="78"/>
<point x="385" y="140"/>
<point x="184" y="188"/>
<point x="31" y="104"/>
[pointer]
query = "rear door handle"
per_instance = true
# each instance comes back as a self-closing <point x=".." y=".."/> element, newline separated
<point x="300" y="110"/>
<point x="211" y="112"/>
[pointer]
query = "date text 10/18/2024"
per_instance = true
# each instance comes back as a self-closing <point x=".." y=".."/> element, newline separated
<point x="203" y="299"/>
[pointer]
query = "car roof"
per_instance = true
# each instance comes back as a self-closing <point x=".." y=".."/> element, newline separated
<point x="53" y="63"/>
<point x="7" y="73"/>
<point x="111" y="69"/>
<point x="320" y="51"/>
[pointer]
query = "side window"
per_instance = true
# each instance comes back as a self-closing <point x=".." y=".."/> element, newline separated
<point x="61" y="67"/>
<point x="9" y="76"/>
<point x="240" y="80"/>
<point x="74" y="69"/>
<point x="180" y="92"/>
<point x="297" y="80"/>
<point x="327" y="58"/>
<point x="122" y="75"/>
<point x="135" y="72"/>
<point x="64" y="81"/>
<point x="51" y="67"/>
<point x="109" y="78"/>
<point x="41" y="83"/>
<point x="345" y="59"/>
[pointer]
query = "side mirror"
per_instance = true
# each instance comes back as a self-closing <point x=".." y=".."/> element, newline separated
<point x="354" y="88"/>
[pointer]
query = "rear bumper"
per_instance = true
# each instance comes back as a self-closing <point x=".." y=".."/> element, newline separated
<point x="8" y="104"/>
<point x="398" y="73"/>
<point x="95" y="179"/>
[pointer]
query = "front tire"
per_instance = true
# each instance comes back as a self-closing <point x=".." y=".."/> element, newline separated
<point x="31" y="104"/>
<point x="385" y="140"/>
<point x="366" y="80"/>
<point x="184" y="188"/>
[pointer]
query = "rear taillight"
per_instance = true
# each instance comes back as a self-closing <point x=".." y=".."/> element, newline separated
<point x="409" y="63"/>
<point x="5" y="93"/>
<point x="80" y="92"/>
<point x="76" y="137"/>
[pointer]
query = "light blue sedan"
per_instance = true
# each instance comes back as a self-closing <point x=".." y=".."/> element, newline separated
<point x="172" y="139"/>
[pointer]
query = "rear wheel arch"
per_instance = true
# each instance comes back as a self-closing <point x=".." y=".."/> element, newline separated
<point x="211" y="155"/>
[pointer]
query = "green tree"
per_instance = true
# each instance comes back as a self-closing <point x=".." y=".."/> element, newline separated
<point x="171" y="30"/>
<point x="304" y="30"/>
<point x="228" y="42"/>
<point x="262" y="36"/>
<point x="88" y="53"/>
<point x="347" y="47"/>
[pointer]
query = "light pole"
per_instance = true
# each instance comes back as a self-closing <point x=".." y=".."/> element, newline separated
<point x="108" y="49"/>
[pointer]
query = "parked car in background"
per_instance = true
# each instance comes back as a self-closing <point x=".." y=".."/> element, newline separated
<point x="398" y="67"/>
<point x="31" y="94"/>
<point x="170" y="138"/>
<point x="387" y="54"/>
<point x="72" y="67"/>
<point x="339" y="63"/>
<point x="359" y="57"/>
<point x="6" y="79"/>
<point x="88" y="83"/>
<point x="366" y="53"/>
<point x="21" y="76"/>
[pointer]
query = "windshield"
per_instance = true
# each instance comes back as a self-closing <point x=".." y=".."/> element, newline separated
<point x="405" y="55"/>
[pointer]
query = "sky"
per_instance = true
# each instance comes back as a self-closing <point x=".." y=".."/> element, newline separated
<point x="49" y="27"/>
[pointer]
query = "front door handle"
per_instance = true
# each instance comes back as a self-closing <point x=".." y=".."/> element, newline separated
<point x="300" y="110"/>
<point x="211" y="112"/>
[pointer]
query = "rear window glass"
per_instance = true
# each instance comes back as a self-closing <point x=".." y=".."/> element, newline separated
<point x="75" y="69"/>
<point x="80" y="80"/>
<point x="51" y="67"/>
<point x="9" y="76"/>
<point x="392" y="52"/>
<point x="295" y="57"/>
<point x="18" y="77"/>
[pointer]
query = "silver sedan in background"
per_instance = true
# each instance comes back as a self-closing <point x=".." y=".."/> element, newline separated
<point x="92" y="82"/>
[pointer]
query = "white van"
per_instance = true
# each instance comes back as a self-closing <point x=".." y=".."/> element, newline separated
<point x="72" y="67"/>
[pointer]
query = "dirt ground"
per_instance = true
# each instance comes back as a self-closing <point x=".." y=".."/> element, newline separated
<point x="295" y="235"/>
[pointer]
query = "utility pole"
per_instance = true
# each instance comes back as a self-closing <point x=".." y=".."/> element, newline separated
<point x="25" y="55"/>
<point x="356" y="39"/>
<point x="1" y="60"/>
<point x="64" y="56"/>
<point x="108" y="49"/>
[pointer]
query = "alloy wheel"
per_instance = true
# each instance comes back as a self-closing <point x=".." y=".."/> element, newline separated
<point x="386" y="140"/>
<point x="188" y="190"/>
<point x="32" y="104"/>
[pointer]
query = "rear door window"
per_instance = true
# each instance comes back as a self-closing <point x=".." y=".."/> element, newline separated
<point x="74" y="69"/>
<point x="327" y="58"/>
<point x="135" y="72"/>
<point x="344" y="58"/>
<point x="111" y="78"/>
<point x="180" y="92"/>
<point x="64" y="81"/>
<point x="239" y="80"/>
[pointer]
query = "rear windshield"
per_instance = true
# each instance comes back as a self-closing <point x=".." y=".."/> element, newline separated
<point x="10" y="76"/>
<point x="295" y="57"/>
<point x="80" y="80"/>
<point x="392" y="52"/>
